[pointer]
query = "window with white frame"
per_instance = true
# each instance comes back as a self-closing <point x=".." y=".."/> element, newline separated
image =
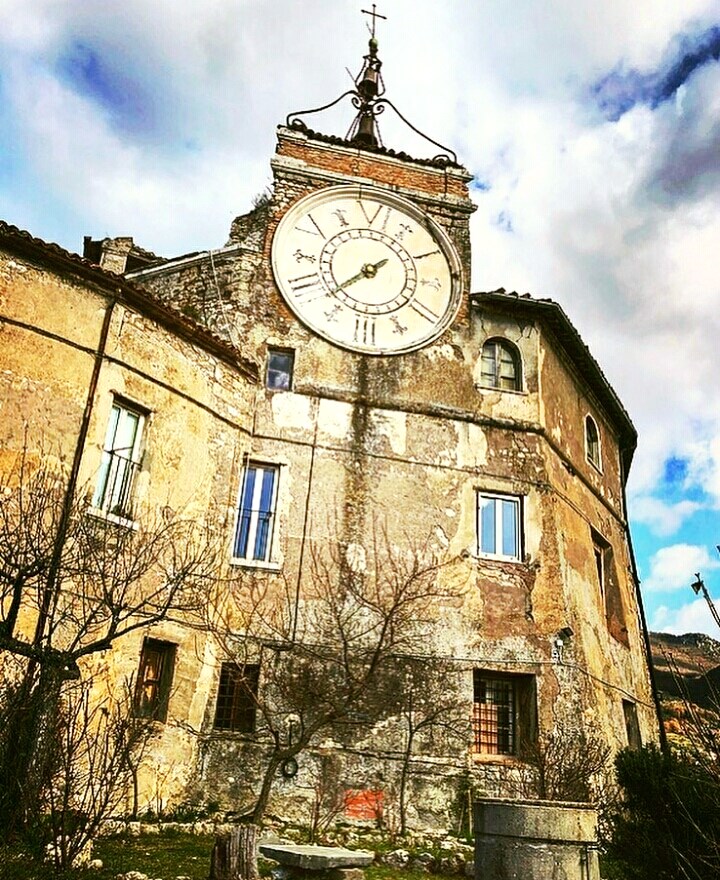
<point x="256" y="512"/>
<point x="121" y="459"/>
<point x="500" y="366"/>
<point x="499" y="525"/>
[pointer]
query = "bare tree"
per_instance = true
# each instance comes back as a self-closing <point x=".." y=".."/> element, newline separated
<point x="329" y="657"/>
<point x="328" y="802"/>
<point x="566" y="767"/>
<point x="91" y="763"/>
<point x="71" y="584"/>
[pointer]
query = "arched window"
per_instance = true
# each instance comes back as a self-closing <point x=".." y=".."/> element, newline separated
<point x="592" y="441"/>
<point x="500" y="366"/>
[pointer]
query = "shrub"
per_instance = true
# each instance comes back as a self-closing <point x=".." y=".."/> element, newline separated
<point x="666" y="825"/>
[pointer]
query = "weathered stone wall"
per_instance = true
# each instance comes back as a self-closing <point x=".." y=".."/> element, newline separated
<point x="365" y="444"/>
<point x="406" y="443"/>
<point x="199" y="415"/>
<point x="43" y="385"/>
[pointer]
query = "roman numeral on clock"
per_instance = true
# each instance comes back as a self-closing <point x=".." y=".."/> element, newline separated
<point x="364" y="330"/>
<point x="314" y="230"/>
<point x="370" y="220"/>
<point x="307" y="287"/>
<point x="424" y="311"/>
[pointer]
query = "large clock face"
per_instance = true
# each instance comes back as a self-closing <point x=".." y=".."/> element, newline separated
<point x="366" y="270"/>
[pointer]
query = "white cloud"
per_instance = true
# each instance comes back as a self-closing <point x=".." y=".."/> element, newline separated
<point x="695" y="617"/>
<point x="704" y="465"/>
<point x="663" y="518"/>
<point x="674" y="567"/>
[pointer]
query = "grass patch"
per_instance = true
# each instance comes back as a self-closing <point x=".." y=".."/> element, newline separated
<point x="166" y="855"/>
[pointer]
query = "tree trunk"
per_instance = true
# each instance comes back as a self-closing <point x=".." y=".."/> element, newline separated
<point x="234" y="856"/>
<point x="27" y="766"/>
<point x="264" y="797"/>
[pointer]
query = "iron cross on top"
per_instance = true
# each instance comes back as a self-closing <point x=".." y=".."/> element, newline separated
<point x="373" y="15"/>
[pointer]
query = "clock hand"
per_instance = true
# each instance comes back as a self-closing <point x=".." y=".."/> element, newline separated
<point x="360" y="274"/>
<point x="369" y="270"/>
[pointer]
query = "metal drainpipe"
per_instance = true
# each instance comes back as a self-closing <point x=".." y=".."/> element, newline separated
<point x="643" y="622"/>
<point x="72" y="481"/>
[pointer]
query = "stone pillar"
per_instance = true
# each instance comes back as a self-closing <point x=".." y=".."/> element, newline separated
<point x="535" y="840"/>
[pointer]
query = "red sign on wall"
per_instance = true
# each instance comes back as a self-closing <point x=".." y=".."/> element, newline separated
<point x="364" y="804"/>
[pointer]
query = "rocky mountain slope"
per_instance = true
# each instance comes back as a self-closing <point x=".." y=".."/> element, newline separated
<point x="687" y="666"/>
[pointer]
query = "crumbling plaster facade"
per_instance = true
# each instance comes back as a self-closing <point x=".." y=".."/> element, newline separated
<point x="409" y="442"/>
<point x="74" y="339"/>
<point x="404" y="443"/>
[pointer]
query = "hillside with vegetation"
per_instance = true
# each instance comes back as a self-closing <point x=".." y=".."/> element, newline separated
<point x="687" y="673"/>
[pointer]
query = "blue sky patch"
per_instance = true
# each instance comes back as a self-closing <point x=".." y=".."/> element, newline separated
<point x="675" y="471"/>
<point x="91" y="75"/>
<point x="621" y="89"/>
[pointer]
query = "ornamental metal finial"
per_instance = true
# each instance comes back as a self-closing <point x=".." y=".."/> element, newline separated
<point x="370" y="86"/>
<point x="373" y="15"/>
<point x="367" y="98"/>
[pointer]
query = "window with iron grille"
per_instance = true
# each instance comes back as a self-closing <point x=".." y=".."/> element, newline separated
<point x="256" y="513"/>
<point x="500" y="367"/>
<point x="154" y="681"/>
<point x="120" y="461"/>
<point x="279" y="374"/>
<point x="503" y="712"/>
<point x="235" y="709"/>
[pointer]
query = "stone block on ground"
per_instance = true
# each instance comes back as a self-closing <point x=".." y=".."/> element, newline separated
<point x="317" y="858"/>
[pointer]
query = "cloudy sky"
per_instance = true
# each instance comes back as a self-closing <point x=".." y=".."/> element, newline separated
<point x="592" y="129"/>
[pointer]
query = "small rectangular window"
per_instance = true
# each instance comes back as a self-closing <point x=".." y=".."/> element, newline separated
<point x="120" y="461"/>
<point x="599" y="554"/>
<point x="154" y="681"/>
<point x="632" y="727"/>
<point x="602" y="554"/>
<point x="279" y="373"/>
<point x="236" y="701"/>
<point x="256" y="513"/>
<point x="499" y="526"/>
<point x="503" y="712"/>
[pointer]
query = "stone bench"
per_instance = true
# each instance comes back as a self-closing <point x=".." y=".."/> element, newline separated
<point x="326" y="862"/>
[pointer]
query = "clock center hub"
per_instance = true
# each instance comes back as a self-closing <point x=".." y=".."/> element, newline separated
<point x="368" y="270"/>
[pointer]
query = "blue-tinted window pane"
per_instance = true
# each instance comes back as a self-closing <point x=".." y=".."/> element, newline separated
<point x="243" y="526"/>
<point x="487" y="525"/>
<point x="262" y="535"/>
<point x="509" y="528"/>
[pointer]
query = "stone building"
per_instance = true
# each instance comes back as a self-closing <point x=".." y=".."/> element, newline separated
<point x="390" y="396"/>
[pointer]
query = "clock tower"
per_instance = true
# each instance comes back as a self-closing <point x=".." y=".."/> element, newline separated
<point x="395" y="403"/>
<point x="367" y="247"/>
